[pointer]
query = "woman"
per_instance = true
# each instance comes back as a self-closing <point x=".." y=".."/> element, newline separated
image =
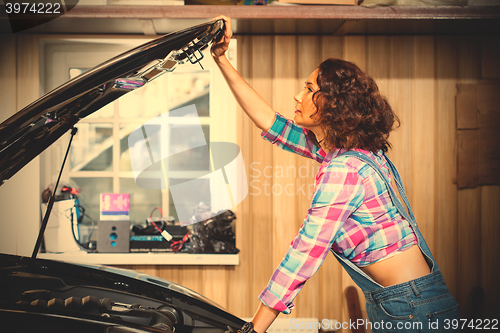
<point x="343" y="122"/>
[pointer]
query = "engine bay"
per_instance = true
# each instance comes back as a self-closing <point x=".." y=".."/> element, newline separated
<point x="45" y="290"/>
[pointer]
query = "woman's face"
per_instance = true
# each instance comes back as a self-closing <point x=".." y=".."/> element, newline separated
<point x="305" y="106"/>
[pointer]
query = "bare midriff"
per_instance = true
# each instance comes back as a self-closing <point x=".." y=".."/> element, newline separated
<point x="406" y="266"/>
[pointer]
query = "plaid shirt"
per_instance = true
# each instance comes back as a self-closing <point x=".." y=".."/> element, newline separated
<point x="351" y="213"/>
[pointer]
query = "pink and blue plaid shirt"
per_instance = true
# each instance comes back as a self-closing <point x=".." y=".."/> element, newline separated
<point x="351" y="213"/>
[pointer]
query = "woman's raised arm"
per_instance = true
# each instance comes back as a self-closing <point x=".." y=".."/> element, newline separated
<point x="259" y="111"/>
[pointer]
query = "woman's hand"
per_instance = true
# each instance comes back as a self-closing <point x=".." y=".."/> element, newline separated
<point x="263" y="318"/>
<point x="250" y="101"/>
<point x="220" y="48"/>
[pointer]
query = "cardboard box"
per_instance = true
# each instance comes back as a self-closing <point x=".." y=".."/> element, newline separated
<point x="114" y="207"/>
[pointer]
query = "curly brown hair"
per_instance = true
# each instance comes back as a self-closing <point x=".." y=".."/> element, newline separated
<point x="351" y="110"/>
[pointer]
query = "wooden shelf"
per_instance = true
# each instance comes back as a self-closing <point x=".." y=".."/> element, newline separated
<point x="286" y="12"/>
<point x="295" y="19"/>
<point x="143" y="258"/>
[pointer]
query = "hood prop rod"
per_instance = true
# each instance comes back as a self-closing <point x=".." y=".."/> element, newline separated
<point x="51" y="200"/>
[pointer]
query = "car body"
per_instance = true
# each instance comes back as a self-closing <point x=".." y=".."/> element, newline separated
<point x="50" y="296"/>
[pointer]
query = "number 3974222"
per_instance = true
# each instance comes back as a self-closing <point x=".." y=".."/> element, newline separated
<point x="33" y="8"/>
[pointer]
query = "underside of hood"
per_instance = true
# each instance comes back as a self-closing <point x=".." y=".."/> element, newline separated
<point x="31" y="130"/>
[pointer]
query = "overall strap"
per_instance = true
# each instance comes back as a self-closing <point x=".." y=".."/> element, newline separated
<point x="399" y="183"/>
<point x="408" y="215"/>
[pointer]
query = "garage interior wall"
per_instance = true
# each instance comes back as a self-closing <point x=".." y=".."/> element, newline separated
<point x="19" y="197"/>
<point x="418" y="75"/>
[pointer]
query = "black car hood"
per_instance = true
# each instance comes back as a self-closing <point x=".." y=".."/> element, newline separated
<point x="31" y="130"/>
<point x="30" y="287"/>
<point x="50" y="296"/>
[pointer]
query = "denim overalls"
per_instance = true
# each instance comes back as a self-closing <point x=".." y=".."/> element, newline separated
<point x="421" y="305"/>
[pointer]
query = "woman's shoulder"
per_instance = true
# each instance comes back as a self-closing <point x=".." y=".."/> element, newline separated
<point x="353" y="163"/>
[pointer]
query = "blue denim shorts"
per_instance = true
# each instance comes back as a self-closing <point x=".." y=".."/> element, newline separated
<point x="421" y="305"/>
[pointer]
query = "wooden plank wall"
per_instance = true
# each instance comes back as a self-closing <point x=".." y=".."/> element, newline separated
<point x="19" y="86"/>
<point x="489" y="239"/>
<point x="419" y="75"/>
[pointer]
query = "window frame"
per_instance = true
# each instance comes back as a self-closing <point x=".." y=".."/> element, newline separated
<point x="61" y="54"/>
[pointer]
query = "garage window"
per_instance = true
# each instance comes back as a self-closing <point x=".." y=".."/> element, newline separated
<point x="100" y="160"/>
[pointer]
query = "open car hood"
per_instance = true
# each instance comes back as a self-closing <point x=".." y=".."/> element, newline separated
<point x="31" y="130"/>
<point x="49" y="296"/>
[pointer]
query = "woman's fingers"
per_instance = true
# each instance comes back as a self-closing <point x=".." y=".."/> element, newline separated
<point x="227" y="22"/>
<point x="220" y="48"/>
